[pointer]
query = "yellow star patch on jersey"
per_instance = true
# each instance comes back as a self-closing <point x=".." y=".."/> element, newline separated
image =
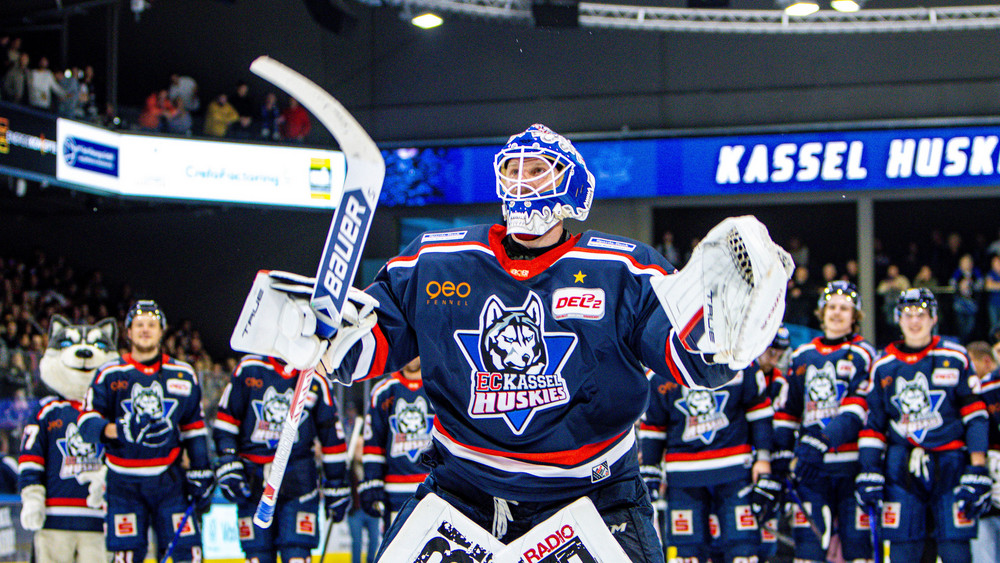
<point x="578" y="277"/>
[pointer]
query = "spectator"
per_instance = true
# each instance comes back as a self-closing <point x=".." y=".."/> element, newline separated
<point x="800" y="298"/>
<point x="185" y="88"/>
<point x="178" y="122"/>
<point x="13" y="52"/>
<point x="799" y="251"/>
<point x="88" y="93"/>
<point x="43" y="85"/>
<point x="243" y="127"/>
<point x="967" y="281"/>
<point x="270" y="114"/>
<point x="70" y="104"/>
<point x="829" y="273"/>
<point x="992" y="283"/>
<point x="925" y="278"/>
<point x="17" y="81"/>
<point x="219" y="115"/>
<point x="850" y="272"/>
<point x="893" y="284"/>
<point x="154" y="115"/>
<point x="911" y="262"/>
<point x="668" y="250"/>
<point x="295" y="122"/>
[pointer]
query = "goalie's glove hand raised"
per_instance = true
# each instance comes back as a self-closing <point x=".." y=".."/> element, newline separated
<point x="373" y="498"/>
<point x="231" y="476"/>
<point x="277" y="320"/>
<point x="731" y="293"/>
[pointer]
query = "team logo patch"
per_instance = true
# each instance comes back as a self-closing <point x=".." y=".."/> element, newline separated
<point x="918" y="407"/>
<point x="945" y="377"/>
<point x="188" y="529"/>
<point x="704" y="413"/>
<point x="411" y="429"/>
<point x="305" y="523"/>
<point x="179" y="387"/>
<point x="578" y="303"/>
<point x="890" y="514"/>
<point x="271" y="412"/>
<point x="846" y="369"/>
<point x="438" y="237"/>
<point x="598" y="242"/>
<point x="824" y="392"/>
<point x="78" y="455"/>
<point x="681" y="523"/>
<point x="245" y="525"/>
<point x="150" y="401"/>
<point x="125" y="525"/>
<point x="600" y="472"/>
<point x="516" y="365"/>
<point x="745" y="520"/>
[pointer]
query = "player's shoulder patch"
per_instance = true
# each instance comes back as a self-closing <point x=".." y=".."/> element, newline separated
<point x="182" y="368"/>
<point x="446" y="236"/>
<point x="608" y="242"/>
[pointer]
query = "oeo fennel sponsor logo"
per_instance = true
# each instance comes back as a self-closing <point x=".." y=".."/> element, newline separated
<point x="447" y="292"/>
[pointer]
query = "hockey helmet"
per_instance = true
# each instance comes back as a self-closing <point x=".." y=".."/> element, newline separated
<point x="145" y="307"/>
<point x="915" y="297"/>
<point x="534" y="201"/>
<point x="782" y="339"/>
<point x="840" y="287"/>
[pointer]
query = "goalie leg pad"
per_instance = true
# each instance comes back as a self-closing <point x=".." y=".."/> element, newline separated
<point x="434" y="526"/>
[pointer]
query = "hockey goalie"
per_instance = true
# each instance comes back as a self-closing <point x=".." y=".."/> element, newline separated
<point x="535" y="364"/>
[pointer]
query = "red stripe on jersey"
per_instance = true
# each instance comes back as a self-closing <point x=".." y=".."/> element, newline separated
<point x="761" y="405"/>
<point x="66" y="502"/>
<point x="851" y="447"/>
<point x="868" y="433"/>
<point x="258" y="459"/>
<point x="972" y="407"/>
<point x="335" y="449"/>
<point x="629" y="257"/>
<point x="912" y="358"/>
<point x="418" y="478"/>
<point x="781" y="415"/>
<point x="226" y="417"/>
<point x="674" y="372"/>
<point x="690" y="326"/>
<point x="436" y="245"/>
<point x="150" y="462"/>
<point x="28" y="458"/>
<point x="373" y="450"/>
<point x="860" y="401"/>
<point x="710" y="454"/>
<point x="952" y="445"/>
<point x="567" y="458"/>
<point x="381" y="354"/>
<point x="651" y="428"/>
<point x="193" y="426"/>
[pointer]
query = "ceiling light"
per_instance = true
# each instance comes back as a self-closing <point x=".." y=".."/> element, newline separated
<point x="847" y="5"/>
<point x="799" y="7"/>
<point x="427" y="20"/>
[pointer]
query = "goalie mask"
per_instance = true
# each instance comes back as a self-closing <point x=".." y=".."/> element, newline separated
<point x="541" y="180"/>
<point x="916" y="297"/>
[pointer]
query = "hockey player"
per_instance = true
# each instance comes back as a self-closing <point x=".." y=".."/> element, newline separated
<point x="56" y="464"/>
<point x="777" y="390"/>
<point x="252" y="411"/>
<point x="397" y="431"/>
<point x="986" y="546"/>
<point x="533" y="366"/>
<point x="826" y="406"/>
<point x="144" y="408"/>
<point x="923" y="449"/>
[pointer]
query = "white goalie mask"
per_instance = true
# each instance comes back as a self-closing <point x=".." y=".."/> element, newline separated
<point x="541" y="180"/>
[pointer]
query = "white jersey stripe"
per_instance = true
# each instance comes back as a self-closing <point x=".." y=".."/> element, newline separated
<point x="742" y="460"/>
<point x="74" y="511"/>
<point x="408" y="488"/>
<point x="443" y="249"/>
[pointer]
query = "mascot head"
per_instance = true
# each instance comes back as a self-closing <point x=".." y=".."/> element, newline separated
<point x="74" y="354"/>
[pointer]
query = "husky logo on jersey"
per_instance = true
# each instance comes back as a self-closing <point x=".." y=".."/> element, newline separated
<point x="271" y="413"/>
<point x="150" y="401"/>
<point x="78" y="455"/>
<point x="704" y="413"/>
<point x="516" y="364"/>
<point x="411" y="429"/>
<point x="825" y="392"/>
<point x="918" y="407"/>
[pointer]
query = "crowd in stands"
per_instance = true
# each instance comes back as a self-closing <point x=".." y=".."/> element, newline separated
<point x="37" y="287"/>
<point x="963" y="274"/>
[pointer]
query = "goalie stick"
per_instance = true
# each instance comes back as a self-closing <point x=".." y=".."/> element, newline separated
<point x="344" y="241"/>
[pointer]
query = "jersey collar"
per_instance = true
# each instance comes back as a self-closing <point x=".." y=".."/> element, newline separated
<point x="146" y="369"/>
<point x="526" y="269"/>
<point x="911" y="358"/>
<point x="412" y="385"/>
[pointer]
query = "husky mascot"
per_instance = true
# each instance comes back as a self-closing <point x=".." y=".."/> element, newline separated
<point x="58" y="468"/>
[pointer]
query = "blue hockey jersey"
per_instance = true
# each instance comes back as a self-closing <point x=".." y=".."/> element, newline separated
<point x="928" y="398"/>
<point x="54" y="454"/>
<point x="534" y="367"/>
<point x="252" y="411"/>
<point x="828" y="385"/>
<point x="707" y="436"/>
<point x="397" y="430"/>
<point x="169" y="387"/>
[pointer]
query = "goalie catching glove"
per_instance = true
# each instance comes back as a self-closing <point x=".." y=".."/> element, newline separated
<point x="728" y="300"/>
<point x="277" y="320"/>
